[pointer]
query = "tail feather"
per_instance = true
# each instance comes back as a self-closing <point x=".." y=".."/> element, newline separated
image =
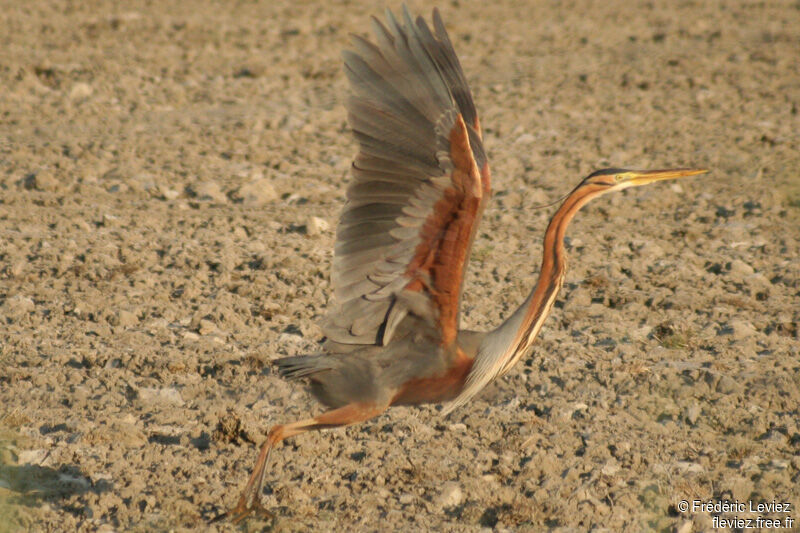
<point x="302" y="366"/>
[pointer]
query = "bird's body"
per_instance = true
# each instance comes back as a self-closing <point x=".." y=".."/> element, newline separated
<point x="413" y="369"/>
<point x="421" y="182"/>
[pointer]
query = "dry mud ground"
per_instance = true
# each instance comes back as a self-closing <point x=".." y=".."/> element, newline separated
<point x="170" y="179"/>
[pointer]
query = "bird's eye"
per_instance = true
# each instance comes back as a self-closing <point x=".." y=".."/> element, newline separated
<point x="618" y="177"/>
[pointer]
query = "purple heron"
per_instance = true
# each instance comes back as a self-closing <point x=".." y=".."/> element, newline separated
<point x="420" y="182"/>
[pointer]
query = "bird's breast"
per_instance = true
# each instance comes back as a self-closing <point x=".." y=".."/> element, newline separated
<point x="437" y="388"/>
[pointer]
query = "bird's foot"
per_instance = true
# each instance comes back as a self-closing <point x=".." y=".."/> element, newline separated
<point x="242" y="511"/>
<point x="252" y="491"/>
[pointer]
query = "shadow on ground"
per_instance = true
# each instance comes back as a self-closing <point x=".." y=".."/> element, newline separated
<point x="25" y="488"/>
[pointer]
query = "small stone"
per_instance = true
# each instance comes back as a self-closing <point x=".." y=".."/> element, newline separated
<point x="42" y="180"/>
<point x="31" y="457"/>
<point x="684" y="527"/>
<point x="741" y="269"/>
<point x="167" y="193"/>
<point x="19" y="305"/>
<point x="206" y="326"/>
<point x="780" y="464"/>
<point x="167" y="395"/>
<point x="110" y="221"/>
<point x="119" y="432"/>
<point x="17" y="268"/>
<point x="623" y="447"/>
<point x="190" y="336"/>
<point x="118" y="187"/>
<point x="317" y="226"/>
<point x="100" y="476"/>
<point x="293" y="343"/>
<point x="210" y="190"/>
<point x="489" y="479"/>
<point x="451" y="495"/>
<point x="689" y="467"/>
<point x="651" y="250"/>
<point x="727" y="385"/>
<point x="128" y="434"/>
<point x="525" y="138"/>
<point x="742" y="329"/>
<point x="80" y="91"/>
<point x="126" y="318"/>
<point x="406" y="499"/>
<point x="257" y="192"/>
<point x="693" y="413"/>
<point x="610" y="468"/>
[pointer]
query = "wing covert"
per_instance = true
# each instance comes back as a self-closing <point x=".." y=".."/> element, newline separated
<point x="420" y="181"/>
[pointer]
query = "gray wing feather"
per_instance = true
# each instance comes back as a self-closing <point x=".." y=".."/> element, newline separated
<point x="406" y="93"/>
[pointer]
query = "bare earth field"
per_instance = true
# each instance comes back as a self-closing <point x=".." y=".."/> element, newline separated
<point x="170" y="179"/>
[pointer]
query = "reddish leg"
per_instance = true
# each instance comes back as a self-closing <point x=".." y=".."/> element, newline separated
<point x="250" y="500"/>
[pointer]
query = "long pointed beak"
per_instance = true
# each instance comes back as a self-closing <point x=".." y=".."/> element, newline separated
<point x="643" y="177"/>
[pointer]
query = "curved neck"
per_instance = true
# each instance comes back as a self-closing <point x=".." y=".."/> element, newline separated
<point x="520" y="329"/>
<point x="506" y="344"/>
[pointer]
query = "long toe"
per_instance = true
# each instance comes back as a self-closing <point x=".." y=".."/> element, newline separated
<point x="239" y="513"/>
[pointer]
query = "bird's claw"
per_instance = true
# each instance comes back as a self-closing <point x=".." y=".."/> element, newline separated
<point x="242" y="511"/>
<point x="236" y="515"/>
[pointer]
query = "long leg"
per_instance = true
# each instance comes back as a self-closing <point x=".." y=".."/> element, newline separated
<point x="249" y="501"/>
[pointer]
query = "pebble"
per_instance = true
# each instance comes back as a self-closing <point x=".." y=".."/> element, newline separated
<point x="210" y="190"/>
<point x="741" y="269"/>
<point x="317" y="226"/>
<point x="18" y="305"/>
<point x="42" y="180"/>
<point x="128" y="434"/>
<point x="17" y="268"/>
<point x="118" y="432"/>
<point x="525" y="138"/>
<point x="610" y="468"/>
<point x="257" y="192"/>
<point x="206" y="326"/>
<point x="406" y="499"/>
<point x="689" y="467"/>
<point x="742" y="329"/>
<point x="291" y="342"/>
<point x="490" y="479"/>
<point x="126" y="318"/>
<point x="651" y="251"/>
<point x="167" y="395"/>
<point x="451" y="495"/>
<point x="80" y="91"/>
<point x="31" y="457"/>
<point x="167" y="193"/>
<point x="693" y="413"/>
<point x="780" y="464"/>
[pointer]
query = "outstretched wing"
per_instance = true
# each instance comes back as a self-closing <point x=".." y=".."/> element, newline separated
<point x="421" y="180"/>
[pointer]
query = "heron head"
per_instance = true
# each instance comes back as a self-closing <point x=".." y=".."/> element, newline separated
<point x="620" y="178"/>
